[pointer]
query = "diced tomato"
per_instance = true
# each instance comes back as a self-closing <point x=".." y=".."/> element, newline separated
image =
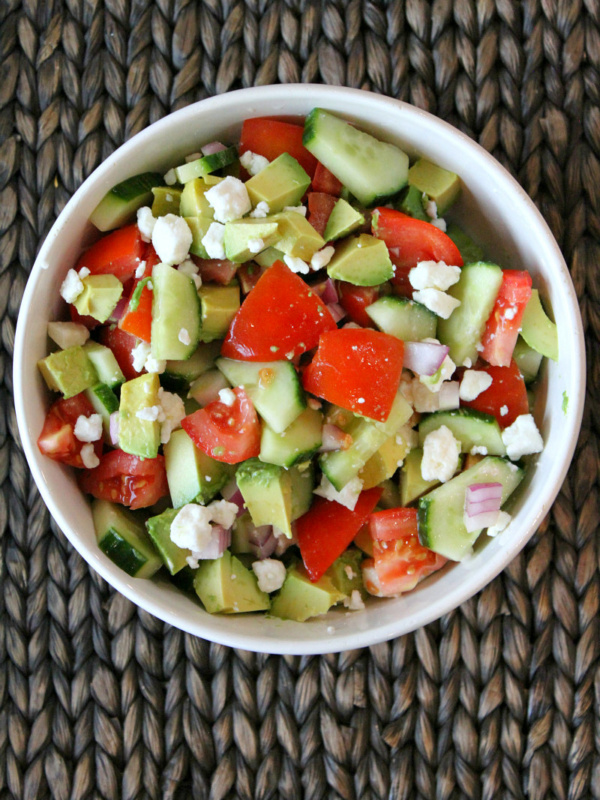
<point x="271" y="137"/>
<point x="325" y="181"/>
<point x="502" y="327"/>
<point x="82" y="319"/>
<point x="507" y="393"/>
<point x="226" y="433"/>
<point x="118" y="253"/>
<point x="248" y="275"/>
<point x="327" y="529"/>
<point x="57" y="439"/>
<point x="139" y="322"/>
<point x="355" y="299"/>
<point x="215" y="270"/>
<point x="126" y="479"/>
<point x="393" y="523"/>
<point x="401" y="284"/>
<point x="122" y="344"/>
<point x="279" y="319"/>
<point x="320" y="206"/>
<point x="357" y="369"/>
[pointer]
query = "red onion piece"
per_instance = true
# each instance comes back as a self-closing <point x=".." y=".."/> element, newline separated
<point x="212" y="147"/>
<point x="326" y="291"/>
<point x="336" y="311"/>
<point x="262" y="541"/>
<point x="232" y="494"/>
<point x="119" y="310"/>
<point x="334" y="438"/>
<point x="114" y="428"/>
<point x="482" y="505"/>
<point x="220" y="541"/>
<point x="424" y="358"/>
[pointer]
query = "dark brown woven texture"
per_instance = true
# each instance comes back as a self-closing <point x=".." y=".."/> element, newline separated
<point x="500" y="698"/>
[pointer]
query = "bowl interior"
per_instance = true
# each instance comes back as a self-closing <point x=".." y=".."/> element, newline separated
<point x="492" y="208"/>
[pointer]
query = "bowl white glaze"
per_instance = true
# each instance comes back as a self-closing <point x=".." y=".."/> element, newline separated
<point x="493" y="209"/>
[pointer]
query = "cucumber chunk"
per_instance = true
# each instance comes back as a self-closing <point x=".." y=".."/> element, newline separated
<point x="471" y="428"/>
<point x="105" y="403"/>
<point x="340" y="466"/>
<point x="123" y="200"/>
<point x="205" y="165"/>
<point x="175" y="310"/>
<point x="405" y="319"/>
<point x="297" y="443"/>
<point x="105" y="364"/>
<point x="121" y="536"/>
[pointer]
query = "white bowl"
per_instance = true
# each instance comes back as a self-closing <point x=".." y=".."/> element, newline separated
<point x="493" y="209"/>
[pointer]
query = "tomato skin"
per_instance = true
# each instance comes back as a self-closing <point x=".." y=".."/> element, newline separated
<point x="281" y="312"/>
<point x="327" y="529"/>
<point x="507" y="389"/>
<point x="358" y="369"/>
<point x="82" y="319"/>
<point x="126" y="479"/>
<point x="121" y="343"/>
<point x="325" y="181"/>
<point x="271" y="137"/>
<point x="57" y="439"/>
<point x="320" y="206"/>
<point x="355" y="299"/>
<point x="248" y="276"/>
<point x="118" y="253"/>
<point x="393" y="523"/>
<point x="215" y="270"/>
<point x="226" y="433"/>
<point x="139" y="322"/>
<point x="502" y="327"/>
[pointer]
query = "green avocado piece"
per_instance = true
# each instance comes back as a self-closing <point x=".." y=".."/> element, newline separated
<point x="296" y="236"/>
<point x="219" y="305"/>
<point x="226" y="585"/>
<point x="137" y="435"/>
<point x="268" y="257"/>
<point x="362" y="260"/>
<point x="100" y="295"/>
<point x="167" y="200"/>
<point x="240" y="233"/>
<point x="303" y="482"/>
<point x="193" y="477"/>
<point x="300" y="599"/>
<point x="528" y="360"/>
<point x="282" y="183"/>
<point x="469" y="251"/>
<point x="267" y="493"/>
<point x="193" y="202"/>
<point x="68" y="371"/>
<point x="412" y="484"/>
<point x="538" y="330"/>
<point x="440" y="185"/>
<point x="159" y="530"/>
<point x="345" y="572"/>
<point x="411" y="203"/>
<point x="199" y="227"/>
<point x="343" y="220"/>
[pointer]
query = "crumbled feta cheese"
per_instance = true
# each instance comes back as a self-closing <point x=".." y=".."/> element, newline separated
<point x="423" y="399"/>
<point x="229" y="199"/>
<point x="184" y="336"/>
<point x="503" y="411"/>
<point x="88" y="429"/>
<point x="467" y="363"/>
<point x="270" y="573"/>
<point x="444" y="372"/>
<point x="479" y="450"/>
<point x="192" y="529"/>
<point x="88" y="456"/>
<point x="501" y="523"/>
<point x="355" y="601"/>
<point x="347" y="497"/>
<point x="172" y="239"/>
<point x="314" y="403"/>
<point x="213" y="240"/>
<point x="261" y="210"/>
<point x="146" y="222"/>
<point x="349" y="572"/>
<point x="170" y="177"/>
<point x="510" y="313"/>
<point x="298" y="209"/>
<point x="139" y="273"/>
<point x="71" y="287"/>
<point x="433" y="275"/>
<point x="441" y="452"/>
<point x="439" y="223"/>
<point x="68" y="334"/>
<point x="430" y="207"/>
<point x="479" y="347"/>
<point x="139" y="355"/>
<point x="227" y="396"/>
<point x="256" y="245"/>
<point x="371" y="580"/>
<point x="296" y="264"/>
<point x="361" y="400"/>
<point x="191" y="270"/>
<point x="83" y="273"/>
<point x="173" y="411"/>
<point x="155" y="365"/>
<point x="440" y="303"/>
<point x="253" y="163"/>
<point x="150" y="414"/>
<point x="474" y="382"/>
<point x="449" y="397"/>
<point x="522" y="438"/>
<point x="322" y="257"/>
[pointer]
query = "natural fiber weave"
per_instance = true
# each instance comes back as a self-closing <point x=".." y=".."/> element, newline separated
<point x="501" y="698"/>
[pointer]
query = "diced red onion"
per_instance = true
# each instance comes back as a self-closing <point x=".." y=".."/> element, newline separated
<point x="114" y="428"/>
<point x="282" y="541"/>
<point x="336" y="311"/>
<point x="212" y="147"/>
<point x="220" y="541"/>
<point x="232" y="494"/>
<point x="424" y="358"/>
<point x="334" y="438"/>
<point x="482" y="505"/>
<point x="326" y="291"/>
<point x="262" y="541"/>
<point x="119" y="310"/>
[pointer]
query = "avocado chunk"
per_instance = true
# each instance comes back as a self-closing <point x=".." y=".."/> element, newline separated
<point x="296" y="236"/>
<point x="218" y="306"/>
<point x="226" y="585"/>
<point x="68" y="371"/>
<point x="282" y="183"/>
<point x="538" y="330"/>
<point x="167" y="200"/>
<point x="384" y="463"/>
<point x="412" y="483"/>
<point x="469" y="251"/>
<point x="362" y="260"/>
<point x="345" y="572"/>
<point x="439" y="184"/>
<point x="528" y="360"/>
<point x="199" y="227"/>
<point x="139" y="433"/>
<point x="193" y="477"/>
<point x="268" y="257"/>
<point x="411" y="203"/>
<point x="193" y="202"/>
<point x="105" y="364"/>
<point x="240" y="234"/>
<point x="303" y="483"/>
<point x="267" y="493"/>
<point x="343" y="220"/>
<point x="100" y="295"/>
<point x="299" y="599"/>
<point x="159" y="530"/>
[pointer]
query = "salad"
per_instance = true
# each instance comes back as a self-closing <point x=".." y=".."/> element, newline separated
<point x="287" y="380"/>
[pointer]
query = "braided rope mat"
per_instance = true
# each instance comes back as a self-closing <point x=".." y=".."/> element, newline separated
<point x="501" y="698"/>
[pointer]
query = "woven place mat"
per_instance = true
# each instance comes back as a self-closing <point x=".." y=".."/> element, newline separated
<point x="500" y="698"/>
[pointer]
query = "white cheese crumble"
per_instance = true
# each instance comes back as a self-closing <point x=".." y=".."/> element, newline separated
<point x="298" y="209"/>
<point x="170" y="177"/>
<point x="474" y="382"/>
<point x="522" y="438"/>
<point x="83" y="273"/>
<point x="173" y="411"/>
<point x="213" y="240"/>
<point x="503" y="411"/>
<point x="439" y="223"/>
<point x="501" y="523"/>
<point x="421" y="398"/>
<point x="433" y="275"/>
<point x="139" y="273"/>
<point x="227" y="396"/>
<point x="449" y="396"/>
<point x="479" y="450"/>
<point x="430" y="207"/>
<point x="467" y="363"/>
<point x="350" y="574"/>
<point x="139" y="355"/>
<point x="146" y="222"/>
<point x="150" y="414"/>
<point x="191" y="270"/>
<point x="192" y="529"/>
<point x="155" y="365"/>
<point x="510" y="313"/>
<point x="88" y="429"/>
<point x="322" y="257"/>
<point x="68" y="334"/>
<point x="88" y="456"/>
<point x="184" y="336"/>
<point x="71" y="287"/>
<point x="229" y="199"/>
<point x="256" y="245"/>
<point x="296" y="264"/>
<point x="348" y="496"/>
<point x="172" y="239"/>
<point x="270" y="573"/>
<point x="253" y="163"/>
<point x="355" y="601"/>
<point x="441" y="452"/>
<point x="439" y="302"/>
<point x="444" y="372"/>
<point x="261" y="210"/>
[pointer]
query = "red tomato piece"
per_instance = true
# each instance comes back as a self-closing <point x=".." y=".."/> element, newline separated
<point x="139" y="322"/>
<point x="357" y="369"/>
<point x="320" y="206"/>
<point x="82" y="319"/>
<point x="118" y="253"/>
<point x="355" y="299"/>
<point x="327" y="529"/>
<point x="122" y="344"/>
<point x="271" y="137"/>
<point x="507" y="393"/>
<point x="401" y="284"/>
<point x="248" y="275"/>
<point x="57" y="439"/>
<point x="280" y="318"/>
<point x="502" y="327"/>
<point x="126" y="479"/>
<point x="393" y="523"/>
<point x="226" y="433"/>
<point x="215" y="270"/>
<point x="325" y="181"/>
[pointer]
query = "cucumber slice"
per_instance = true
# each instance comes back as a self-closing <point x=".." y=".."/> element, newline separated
<point x="205" y="165"/>
<point x="372" y="170"/>
<point x="405" y="319"/>
<point x="105" y="364"/>
<point x="105" y="403"/>
<point x="441" y="512"/>
<point x="206" y="388"/>
<point x="121" y="536"/>
<point x="123" y="200"/>
<point x="297" y="443"/>
<point x="528" y="360"/>
<point x="537" y="328"/>
<point x="273" y="387"/>
<point x="178" y="375"/>
<point x="477" y="290"/>
<point x="340" y="466"/>
<point x="471" y="428"/>
<point x="175" y="309"/>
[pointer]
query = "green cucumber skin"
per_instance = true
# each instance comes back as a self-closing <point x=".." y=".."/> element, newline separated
<point x="122" y="553"/>
<point x="403" y="318"/>
<point x="123" y="200"/>
<point x="139" y="184"/>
